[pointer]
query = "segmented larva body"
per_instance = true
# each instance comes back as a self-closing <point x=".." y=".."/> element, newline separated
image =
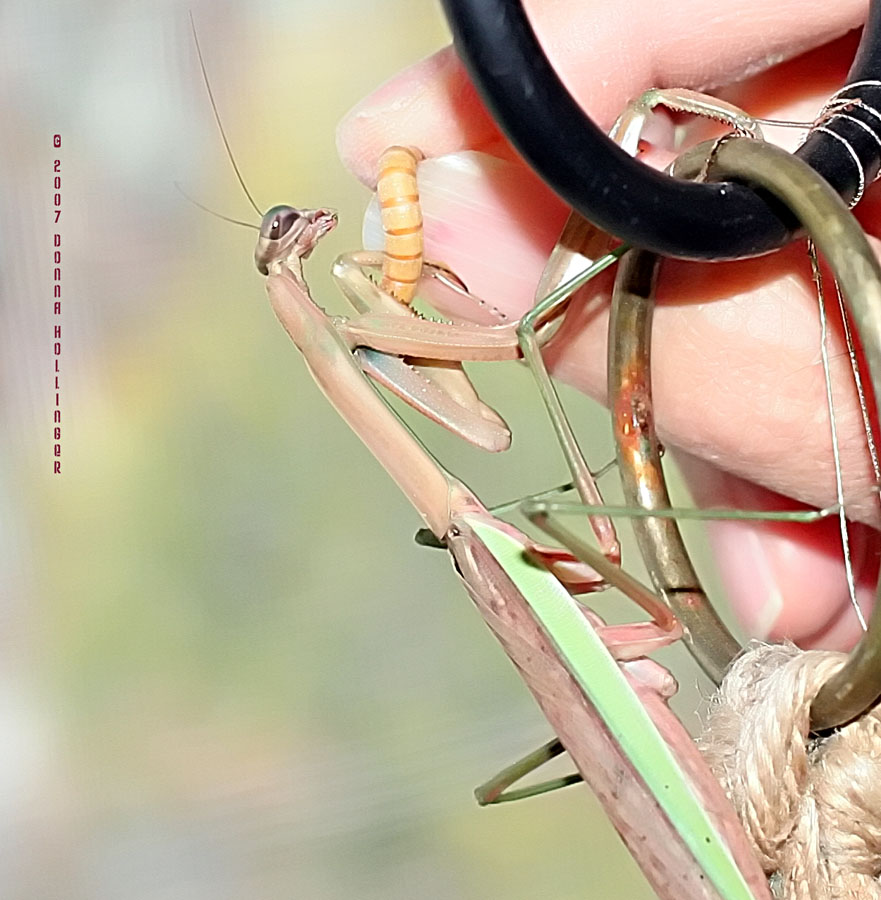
<point x="401" y="217"/>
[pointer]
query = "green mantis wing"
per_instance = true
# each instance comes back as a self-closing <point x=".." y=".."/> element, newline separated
<point x="600" y="678"/>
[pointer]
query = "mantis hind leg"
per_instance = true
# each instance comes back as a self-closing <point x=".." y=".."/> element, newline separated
<point x="496" y="789"/>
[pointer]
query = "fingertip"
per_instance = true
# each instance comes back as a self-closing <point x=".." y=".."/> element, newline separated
<point x="430" y="104"/>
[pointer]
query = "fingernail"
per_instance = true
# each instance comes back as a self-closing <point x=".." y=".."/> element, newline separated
<point x="757" y="596"/>
<point x="405" y="88"/>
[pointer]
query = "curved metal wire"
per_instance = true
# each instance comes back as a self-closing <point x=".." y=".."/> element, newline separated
<point x="841" y="240"/>
<point x="639" y="465"/>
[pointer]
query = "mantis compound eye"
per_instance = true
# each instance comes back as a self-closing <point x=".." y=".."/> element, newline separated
<point x="278" y="222"/>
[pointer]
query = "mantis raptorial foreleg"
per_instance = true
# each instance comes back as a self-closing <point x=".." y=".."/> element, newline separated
<point x="388" y="335"/>
<point x="629" y="126"/>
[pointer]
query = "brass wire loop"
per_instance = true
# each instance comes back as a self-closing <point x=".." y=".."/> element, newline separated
<point x="841" y="240"/>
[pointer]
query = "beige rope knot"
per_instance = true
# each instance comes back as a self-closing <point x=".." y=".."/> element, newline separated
<point x="811" y="807"/>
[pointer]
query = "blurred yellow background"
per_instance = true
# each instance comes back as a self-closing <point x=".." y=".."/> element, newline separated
<point x="227" y="671"/>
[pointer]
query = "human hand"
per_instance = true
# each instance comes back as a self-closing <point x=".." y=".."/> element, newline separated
<point x="736" y="369"/>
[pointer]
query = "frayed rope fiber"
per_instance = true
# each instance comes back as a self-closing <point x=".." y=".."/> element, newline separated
<point x="811" y="807"/>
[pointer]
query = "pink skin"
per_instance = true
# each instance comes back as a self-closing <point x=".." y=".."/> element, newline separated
<point x="738" y="340"/>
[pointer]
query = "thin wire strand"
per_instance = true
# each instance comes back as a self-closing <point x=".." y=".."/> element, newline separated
<point x="861" y="124"/>
<point x="229" y="153"/>
<point x="836" y="456"/>
<point x="858" y="381"/>
<point x="861" y="175"/>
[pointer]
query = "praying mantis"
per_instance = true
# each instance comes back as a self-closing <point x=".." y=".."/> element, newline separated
<point x="613" y="720"/>
<point x="604" y="697"/>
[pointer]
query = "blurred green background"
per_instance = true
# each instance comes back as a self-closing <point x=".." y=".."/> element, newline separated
<point x="227" y="671"/>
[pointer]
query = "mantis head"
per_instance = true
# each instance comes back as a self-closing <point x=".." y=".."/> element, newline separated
<point x="287" y="233"/>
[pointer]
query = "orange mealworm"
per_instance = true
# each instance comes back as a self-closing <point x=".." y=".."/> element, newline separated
<point x="401" y="222"/>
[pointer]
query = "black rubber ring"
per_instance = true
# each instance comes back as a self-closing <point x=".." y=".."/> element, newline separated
<point x="623" y="196"/>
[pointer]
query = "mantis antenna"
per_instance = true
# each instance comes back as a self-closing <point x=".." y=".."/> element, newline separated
<point x="229" y="152"/>
<point x="214" y="212"/>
